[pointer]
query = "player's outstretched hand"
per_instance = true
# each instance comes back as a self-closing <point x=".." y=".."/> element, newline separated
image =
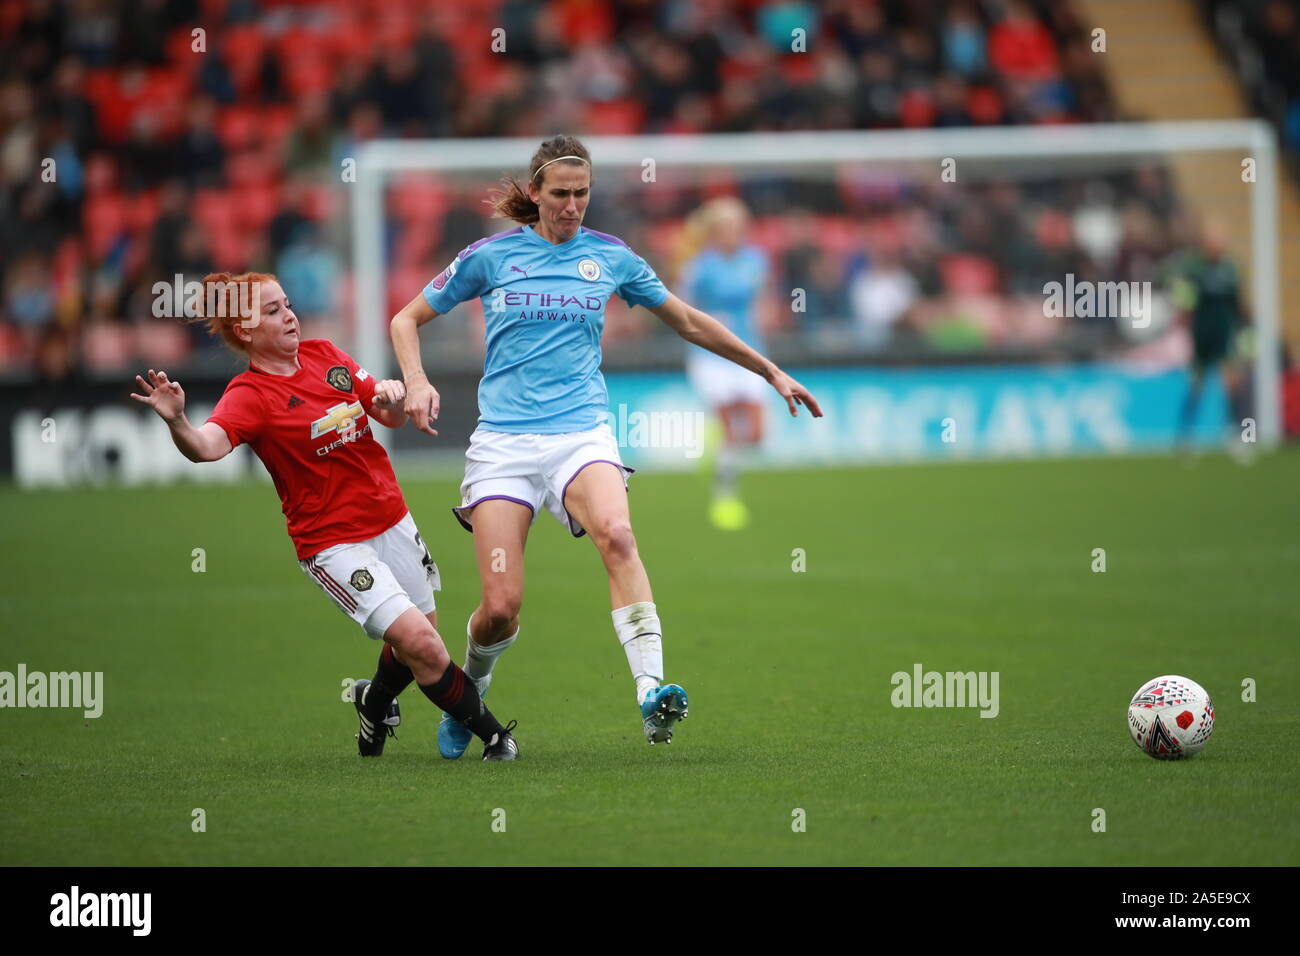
<point x="422" y="403"/>
<point x="795" y="394"/>
<point x="389" y="393"/>
<point x="162" y="395"/>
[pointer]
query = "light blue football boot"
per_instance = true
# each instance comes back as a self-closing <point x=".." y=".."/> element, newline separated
<point x="453" y="736"/>
<point x="662" y="708"/>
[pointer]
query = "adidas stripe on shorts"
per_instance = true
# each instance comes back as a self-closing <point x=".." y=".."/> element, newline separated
<point x="374" y="582"/>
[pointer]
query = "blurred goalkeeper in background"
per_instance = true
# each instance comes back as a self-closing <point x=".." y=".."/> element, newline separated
<point x="1206" y="284"/>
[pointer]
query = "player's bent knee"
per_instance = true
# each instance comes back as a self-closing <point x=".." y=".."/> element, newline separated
<point x="433" y="653"/>
<point x="500" y="608"/>
<point x="417" y="642"/>
<point x="614" y="539"/>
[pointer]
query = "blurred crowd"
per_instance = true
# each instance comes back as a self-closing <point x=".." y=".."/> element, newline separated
<point x="1262" y="40"/>
<point x="145" y="139"/>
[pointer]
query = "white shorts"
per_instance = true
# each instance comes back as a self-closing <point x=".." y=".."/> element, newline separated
<point x="533" y="470"/>
<point x="720" y="382"/>
<point x="374" y="582"/>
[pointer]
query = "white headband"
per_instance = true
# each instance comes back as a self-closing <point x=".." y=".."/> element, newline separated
<point x="556" y="160"/>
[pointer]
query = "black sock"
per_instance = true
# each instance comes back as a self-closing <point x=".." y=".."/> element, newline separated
<point x="391" y="678"/>
<point x="455" y="693"/>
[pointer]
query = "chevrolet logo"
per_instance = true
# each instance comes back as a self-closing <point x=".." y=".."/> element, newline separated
<point x="341" y="418"/>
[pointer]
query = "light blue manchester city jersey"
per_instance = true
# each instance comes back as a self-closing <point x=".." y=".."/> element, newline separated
<point x="544" y="310"/>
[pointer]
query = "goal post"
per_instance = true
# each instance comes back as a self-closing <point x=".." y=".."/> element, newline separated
<point x="379" y="160"/>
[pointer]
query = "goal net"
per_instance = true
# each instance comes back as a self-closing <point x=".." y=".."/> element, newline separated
<point x="945" y="293"/>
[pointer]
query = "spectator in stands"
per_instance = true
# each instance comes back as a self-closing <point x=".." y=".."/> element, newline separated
<point x="1020" y="47"/>
<point x="311" y="267"/>
<point x="882" y="296"/>
<point x="311" y="145"/>
<point x="76" y="89"/>
<point x="29" y="297"/>
<point x="963" y="45"/>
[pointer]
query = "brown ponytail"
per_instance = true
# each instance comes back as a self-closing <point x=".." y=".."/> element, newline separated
<point x="512" y="202"/>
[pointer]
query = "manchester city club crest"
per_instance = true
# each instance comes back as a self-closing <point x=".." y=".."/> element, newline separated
<point x="361" y="579"/>
<point x="339" y="377"/>
<point x="589" y="269"/>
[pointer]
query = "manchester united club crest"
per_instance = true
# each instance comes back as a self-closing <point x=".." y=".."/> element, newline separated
<point x="361" y="580"/>
<point x="339" y="377"/>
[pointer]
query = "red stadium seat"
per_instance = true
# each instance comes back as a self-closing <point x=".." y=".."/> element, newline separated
<point x="101" y="173"/>
<point x="417" y="197"/>
<point x="108" y="345"/>
<point x="15" y="349"/>
<point x="180" y="50"/>
<point x="142" y="211"/>
<point x="275" y="125"/>
<point x="237" y="127"/>
<point x="161" y="342"/>
<point x="837" y="235"/>
<point x="309" y="74"/>
<point x="916" y="109"/>
<point x="416" y="244"/>
<point x="214" y="208"/>
<point x="320" y="202"/>
<point x="258" y="203"/>
<point x="769" y="234"/>
<point x="404" y="284"/>
<point x="984" y="104"/>
<point x="253" y="167"/>
<point x="242" y="47"/>
<point x="799" y="69"/>
<point x="241" y="44"/>
<point x="231" y="248"/>
<point x="968" y="274"/>
<point x="105" y="220"/>
<point x="65" y="271"/>
<point x="622" y="117"/>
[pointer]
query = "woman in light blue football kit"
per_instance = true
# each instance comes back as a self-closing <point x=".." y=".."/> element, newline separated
<point x="728" y="277"/>
<point x="542" y="440"/>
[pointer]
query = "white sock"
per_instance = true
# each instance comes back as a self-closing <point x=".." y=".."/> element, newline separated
<point x="637" y="627"/>
<point x="727" y="471"/>
<point x="480" y="659"/>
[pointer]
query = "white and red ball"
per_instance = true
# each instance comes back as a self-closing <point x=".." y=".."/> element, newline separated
<point x="1171" y="717"/>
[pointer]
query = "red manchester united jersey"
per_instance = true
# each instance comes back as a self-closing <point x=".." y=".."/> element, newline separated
<point x="312" y="431"/>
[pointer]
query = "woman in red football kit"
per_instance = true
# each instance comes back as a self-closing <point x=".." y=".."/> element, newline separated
<point x="306" y="408"/>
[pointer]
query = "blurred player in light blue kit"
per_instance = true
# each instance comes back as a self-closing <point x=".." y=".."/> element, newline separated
<point x="727" y="278"/>
<point x="543" y="442"/>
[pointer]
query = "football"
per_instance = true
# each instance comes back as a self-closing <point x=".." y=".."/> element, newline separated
<point x="1171" y="717"/>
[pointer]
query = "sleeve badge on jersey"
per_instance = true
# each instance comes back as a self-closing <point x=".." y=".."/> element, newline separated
<point x="362" y="375"/>
<point x="446" y="274"/>
<point x="589" y="269"/>
<point x="339" y="377"/>
<point x="361" y="580"/>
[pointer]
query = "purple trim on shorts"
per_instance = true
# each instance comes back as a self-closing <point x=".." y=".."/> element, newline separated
<point x="607" y="237"/>
<point x="565" y="492"/>
<point x="474" y="504"/>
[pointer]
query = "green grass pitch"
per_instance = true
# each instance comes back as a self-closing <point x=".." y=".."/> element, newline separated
<point x="222" y="688"/>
